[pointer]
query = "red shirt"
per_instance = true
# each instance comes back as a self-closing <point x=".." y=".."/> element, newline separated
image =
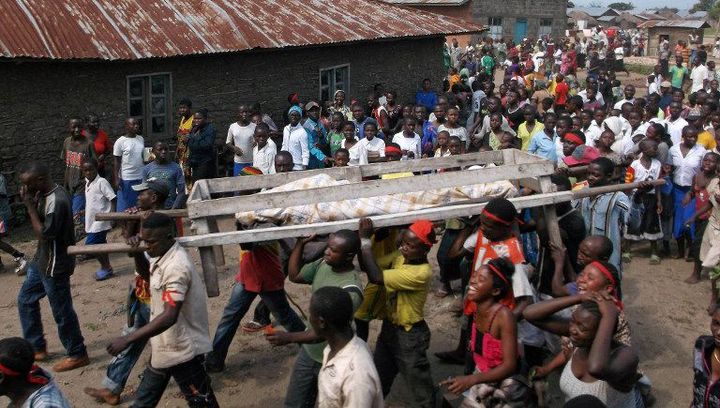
<point x="260" y="269"/>
<point x="561" y="93"/>
<point x="102" y="143"/>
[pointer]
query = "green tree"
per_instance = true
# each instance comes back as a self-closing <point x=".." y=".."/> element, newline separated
<point x="621" y="6"/>
<point x="703" y="5"/>
<point x="714" y="11"/>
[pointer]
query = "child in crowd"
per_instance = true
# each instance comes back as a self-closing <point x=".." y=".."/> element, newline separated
<point x="128" y="161"/>
<point x="240" y="139"/>
<point x="76" y="148"/>
<point x="371" y="149"/>
<point x="452" y="126"/>
<point x="100" y="198"/>
<point x="335" y="135"/>
<point x="703" y="204"/>
<point x="493" y="343"/>
<point x="408" y="140"/>
<point x="561" y="93"/>
<point x="260" y="274"/>
<point x="335" y="268"/>
<point x="5" y="216"/>
<point x="442" y="144"/>
<point x="405" y="336"/>
<point x="646" y="168"/>
<point x="168" y="171"/>
<point x="350" y="143"/>
<point x="264" y="150"/>
<point x="543" y="143"/>
<point x="341" y="158"/>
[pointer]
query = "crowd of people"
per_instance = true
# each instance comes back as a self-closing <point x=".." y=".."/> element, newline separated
<point x="531" y="306"/>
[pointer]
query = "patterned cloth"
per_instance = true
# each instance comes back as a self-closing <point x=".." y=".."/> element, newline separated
<point x="364" y="207"/>
<point x="48" y="396"/>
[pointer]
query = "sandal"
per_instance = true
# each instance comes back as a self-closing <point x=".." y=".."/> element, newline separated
<point x="253" y="327"/>
<point x="654" y="260"/>
<point x="626" y="257"/>
<point x="103" y="274"/>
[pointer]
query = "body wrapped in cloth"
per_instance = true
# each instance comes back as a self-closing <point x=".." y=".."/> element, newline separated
<point x="364" y="207"/>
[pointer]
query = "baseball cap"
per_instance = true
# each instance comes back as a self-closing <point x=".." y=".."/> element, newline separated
<point x="311" y="105"/>
<point x="153" y="184"/>
<point x="582" y="154"/>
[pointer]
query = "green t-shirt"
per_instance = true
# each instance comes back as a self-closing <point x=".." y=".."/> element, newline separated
<point x="335" y="139"/>
<point x="319" y="274"/>
<point x="488" y="63"/>
<point x="677" y="74"/>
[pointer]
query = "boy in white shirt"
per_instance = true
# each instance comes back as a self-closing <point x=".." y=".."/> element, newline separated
<point x="265" y="150"/>
<point x="240" y="140"/>
<point x="128" y="160"/>
<point x="371" y="148"/>
<point x="99" y="198"/>
<point x="409" y="141"/>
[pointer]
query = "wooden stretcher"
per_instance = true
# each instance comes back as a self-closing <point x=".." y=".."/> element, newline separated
<point x="522" y="168"/>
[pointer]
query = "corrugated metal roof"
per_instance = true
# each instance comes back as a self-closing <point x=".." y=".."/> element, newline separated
<point x="426" y="2"/>
<point x="695" y="24"/>
<point x="135" y="29"/>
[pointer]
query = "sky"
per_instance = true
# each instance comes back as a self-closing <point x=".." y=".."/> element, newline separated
<point x="645" y="4"/>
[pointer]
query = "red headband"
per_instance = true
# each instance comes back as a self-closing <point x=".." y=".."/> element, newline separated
<point x="8" y="372"/>
<point x="605" y="271"/>
<point x="32" y="377"/>
<point x="423" y="228"/>
<point x="572" y="137"/>
<point x="392" y="149"/>
<point x="496" y="218"/>
<point x="509" y="299"/>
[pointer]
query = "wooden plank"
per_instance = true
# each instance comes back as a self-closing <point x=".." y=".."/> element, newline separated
<point x="110" y="248"/>
<point x="551" y="219"/>
<point x="353" y="173"/>
<point x="372" y="188"/>
<point x="208" y="255"/>
<point x="433" y="214"/>
<point x="123" y="216"/>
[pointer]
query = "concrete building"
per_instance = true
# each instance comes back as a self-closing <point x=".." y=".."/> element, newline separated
<point x="138" y="57"/>
<point x="509" y="19"/>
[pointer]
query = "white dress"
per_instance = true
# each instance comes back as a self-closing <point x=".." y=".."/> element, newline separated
<point x="572" y="387"/>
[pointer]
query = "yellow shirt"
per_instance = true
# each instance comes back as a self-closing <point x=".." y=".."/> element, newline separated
<point x="407" y="288"/>
<point x="185" y="125"/>
<point x="525" y="135"/>
<point x="374" y="298"/>
<point x="706" y="139"/>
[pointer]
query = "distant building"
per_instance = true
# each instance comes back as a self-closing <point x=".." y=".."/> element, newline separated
<point x="509" y="19"/>
<point x="672" y="30"/>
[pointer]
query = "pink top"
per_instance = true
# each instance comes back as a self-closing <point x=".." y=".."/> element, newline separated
<point x="490" y="354"/>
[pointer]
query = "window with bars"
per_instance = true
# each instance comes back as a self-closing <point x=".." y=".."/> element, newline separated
<point x="333" y="79"/>
<point x="545" y="27"/>
<point x="495" y="26"/>
<point x="149" y="101"/>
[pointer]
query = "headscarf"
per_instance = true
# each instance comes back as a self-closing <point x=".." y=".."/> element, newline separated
<point x="295" y="109"/>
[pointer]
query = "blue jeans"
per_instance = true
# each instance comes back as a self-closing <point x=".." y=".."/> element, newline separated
<point x="121" y="365"/>
<point x="302" y="389"/>
<point x="238" y="304"/>
<point x="126" y="196"/>
<point x="35" y="287"/>
<point x="190" y="376"/>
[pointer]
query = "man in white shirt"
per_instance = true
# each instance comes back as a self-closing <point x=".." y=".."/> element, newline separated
<point x="348" y="377"/>
<point x="240" y="140"/>
<point x="408" y="140"/>
<point x="295" y="140"/>
<point x="629" y="97"/>
<point x="128" y="160"/>
<point x="699" y="76"/>
<point x="675" y="123"/>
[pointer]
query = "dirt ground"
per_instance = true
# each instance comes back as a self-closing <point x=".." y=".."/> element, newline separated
<point x="666" y="317"/>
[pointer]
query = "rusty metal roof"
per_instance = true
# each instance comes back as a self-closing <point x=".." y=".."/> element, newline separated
<point x="427" y="2"/>
<point x="136" y="29"/>
<point x="694" y="24"/>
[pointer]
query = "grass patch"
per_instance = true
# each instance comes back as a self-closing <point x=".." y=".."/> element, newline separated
<point x="640" y="69"/>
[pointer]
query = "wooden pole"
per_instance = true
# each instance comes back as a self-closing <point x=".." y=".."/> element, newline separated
<point x="123" y="216"/>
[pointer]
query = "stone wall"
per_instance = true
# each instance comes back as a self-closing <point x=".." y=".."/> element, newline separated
<point x="531" y="10"/>
<point x="38" y="97"/>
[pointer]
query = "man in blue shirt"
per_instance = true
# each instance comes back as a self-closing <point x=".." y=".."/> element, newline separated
<point x="543" y="143"/>
<point x="426" y="97"/>
<point x="317" y="136"/>
<point x="361" y="120"/>
<point x="169" y="173"/>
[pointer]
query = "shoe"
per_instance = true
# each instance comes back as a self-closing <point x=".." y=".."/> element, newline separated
<point x="103" y="274"/>
<point x="103" y="395"/>
<point x="253" y="327"/>
<point x="41" y="355"/>
<point x="21" y="268"/>
<point x="71" y="363"/>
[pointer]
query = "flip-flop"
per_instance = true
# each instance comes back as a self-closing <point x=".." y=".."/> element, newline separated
<point x="253" y="327"/>
<point x="103" y="274"/>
